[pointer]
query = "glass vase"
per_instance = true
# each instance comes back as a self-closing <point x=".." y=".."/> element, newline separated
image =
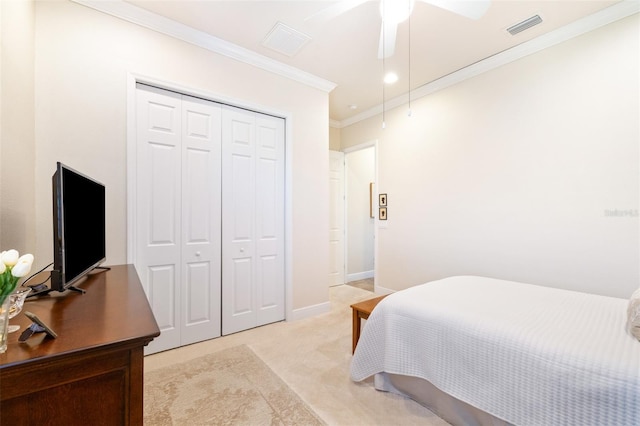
<point x="4" y="322"/>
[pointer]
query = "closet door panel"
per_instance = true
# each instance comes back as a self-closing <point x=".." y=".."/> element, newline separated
<point x="161" y="213"/>
<point x="158" y="208"/>
<point x="240" y="182"/>
<point x="269" y="295"/>
<point x="197" y="293"/>
<point x="238" y="223"/>
<point x="198" y="205"/>
<point x="201" y="234"/>
<point x="242" y="296"/>
<point x="269" y="217"/>
<point x="267" y="198"/>
<point x="161" y="294"/>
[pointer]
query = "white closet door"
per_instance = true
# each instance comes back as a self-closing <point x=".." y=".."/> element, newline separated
<point x="158" y="209"/>
<point x="336" y="218"/>
<point x="269" y="218"/>
<point x="252" y="220"/>
<point x="209" y="216"/>
<point x="201" y="220"/>
<point x="178" y="229"/>
<point x="238" y="225"/>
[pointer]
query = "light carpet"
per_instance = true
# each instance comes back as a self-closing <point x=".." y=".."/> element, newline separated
<point x="229" y="387"/>
<point x="313" y="356"/>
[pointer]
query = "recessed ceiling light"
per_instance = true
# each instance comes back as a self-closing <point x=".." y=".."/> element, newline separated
<point x="353" y="106"/>
<point x="390" y="78"/>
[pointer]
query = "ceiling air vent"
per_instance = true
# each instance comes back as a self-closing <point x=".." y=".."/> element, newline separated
<point x="524" y="25"/>
<point x="285" y="39"/>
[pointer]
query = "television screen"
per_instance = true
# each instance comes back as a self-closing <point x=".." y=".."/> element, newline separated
<point x="78" y="226"/>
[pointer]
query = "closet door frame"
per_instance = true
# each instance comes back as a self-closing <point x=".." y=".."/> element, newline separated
<point x="132" y="80"/>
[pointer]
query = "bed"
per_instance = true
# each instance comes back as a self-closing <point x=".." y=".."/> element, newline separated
<point x="479" y="350"/>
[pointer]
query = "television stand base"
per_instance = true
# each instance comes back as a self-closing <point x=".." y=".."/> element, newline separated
<point x="42" y="289"/>
<point x="74" y="288"/>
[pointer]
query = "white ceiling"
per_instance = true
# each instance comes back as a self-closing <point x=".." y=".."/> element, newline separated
<point x="344" y="50"/>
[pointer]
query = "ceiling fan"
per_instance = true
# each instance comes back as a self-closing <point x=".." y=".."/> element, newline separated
<point x="393" y="12"/>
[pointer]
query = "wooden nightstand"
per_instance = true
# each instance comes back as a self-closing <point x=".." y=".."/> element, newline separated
<point x="362" y="310"/>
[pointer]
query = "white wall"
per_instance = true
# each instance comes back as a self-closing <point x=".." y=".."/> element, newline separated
<point x="359" y="172"/>
<point x="82" y="61"/>
<point x="17" y="146"/>
<point x="334" y="139"/>
<point x="514" y="174"/>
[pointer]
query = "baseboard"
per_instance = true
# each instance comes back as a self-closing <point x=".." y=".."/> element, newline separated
<point x="382" y="290"/>
<point x="311" y="311"/>
<point x="359" y="276"/>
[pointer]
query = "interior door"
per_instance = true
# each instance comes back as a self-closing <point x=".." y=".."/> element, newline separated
<point x="269" y="219"/>
<point x="201" y="220"/>
<point x="336" y="218"/>
<point x="178" y="189"/>
<point x="238" y="226"/>
<point x="253" y="219"/>
<point x="158" y="209"/>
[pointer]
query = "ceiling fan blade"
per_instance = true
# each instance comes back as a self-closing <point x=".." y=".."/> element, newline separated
<point x="334" y="10"/>
<point x="473" y="9"/>
<point x="387" y="39"/>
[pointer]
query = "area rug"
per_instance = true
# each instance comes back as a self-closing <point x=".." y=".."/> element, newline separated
<point x="230" y="387"/>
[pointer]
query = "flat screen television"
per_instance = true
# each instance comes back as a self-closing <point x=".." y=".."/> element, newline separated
<point x="78" y="228"/>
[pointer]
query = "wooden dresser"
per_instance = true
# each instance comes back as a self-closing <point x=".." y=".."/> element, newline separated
<point x="93" y="372"/>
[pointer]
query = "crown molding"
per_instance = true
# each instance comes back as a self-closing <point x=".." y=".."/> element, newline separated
<point x="155" y="22"/>
<point x="588" y="23"/>
<point x="335" y="123"/>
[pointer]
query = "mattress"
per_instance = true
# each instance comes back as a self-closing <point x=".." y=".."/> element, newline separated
<point x="526" y="354"/>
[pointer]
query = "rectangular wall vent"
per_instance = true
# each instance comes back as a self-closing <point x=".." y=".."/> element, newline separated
<point x="524" y="25"/>
<point x="285" y="39"/>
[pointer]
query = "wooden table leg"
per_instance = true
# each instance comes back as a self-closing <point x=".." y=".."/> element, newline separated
<point x="362" y="310"/>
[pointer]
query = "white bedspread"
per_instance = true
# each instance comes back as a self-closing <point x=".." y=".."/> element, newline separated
<point x="529" y="355"/>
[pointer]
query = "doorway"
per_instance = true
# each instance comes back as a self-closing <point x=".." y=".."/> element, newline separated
<point x="360" y="214"/>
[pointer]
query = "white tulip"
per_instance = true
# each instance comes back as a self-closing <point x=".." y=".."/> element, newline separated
<point x="10" y="257"/>
<point x="23" y="266"/>
<point x="2" y="268"/>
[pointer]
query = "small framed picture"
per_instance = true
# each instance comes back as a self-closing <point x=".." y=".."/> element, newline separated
<point x="382" y="214"/>
<point x="382" y="200"/>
